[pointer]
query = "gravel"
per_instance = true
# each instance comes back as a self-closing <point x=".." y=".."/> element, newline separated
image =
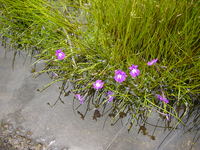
<point x="17" y="138"/>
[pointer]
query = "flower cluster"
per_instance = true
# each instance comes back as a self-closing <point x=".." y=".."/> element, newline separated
<point x="120" y="76"/>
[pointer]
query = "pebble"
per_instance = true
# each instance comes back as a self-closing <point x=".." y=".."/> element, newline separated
<point x="18" y="138"/>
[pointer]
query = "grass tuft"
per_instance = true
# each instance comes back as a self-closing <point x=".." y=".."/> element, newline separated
<point x="99" y="37"/>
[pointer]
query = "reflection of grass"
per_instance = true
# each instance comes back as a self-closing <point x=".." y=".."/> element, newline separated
<point x="99" y="37"/>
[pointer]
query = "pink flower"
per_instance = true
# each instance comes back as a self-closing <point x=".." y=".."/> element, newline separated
<point x="98" y="84"/>
<point x="120" y="76"/>
<point x="162" y="98"/>
<point x="152" y="62"/>
<point x="134" y="71"/>
<point x="60" y="55"/>
<point x="80" y="98"/>
<point x="110" y="96"/>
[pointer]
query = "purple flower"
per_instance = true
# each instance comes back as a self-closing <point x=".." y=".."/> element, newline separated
<point x="60" y="55"/>
<point x="152" y="62"/>
<point x="120" y="76"/>
<point x="134" y="71"/>
<point x="98" y="84"/>
<point x="110" y="96"/>
<point x="162" y="98"/>
<point x="80" y="98"/>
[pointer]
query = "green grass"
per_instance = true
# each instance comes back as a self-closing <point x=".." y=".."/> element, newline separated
<point x="99" y="37"/>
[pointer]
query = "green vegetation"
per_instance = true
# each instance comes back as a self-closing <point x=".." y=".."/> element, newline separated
<point x="101" y="36"/>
